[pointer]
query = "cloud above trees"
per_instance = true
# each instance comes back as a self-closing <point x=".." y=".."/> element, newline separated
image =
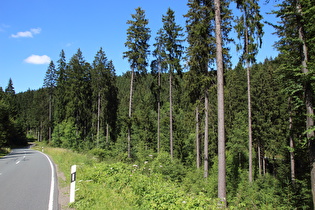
<point x="27" y="34"/>
<point x="38" y="59"/>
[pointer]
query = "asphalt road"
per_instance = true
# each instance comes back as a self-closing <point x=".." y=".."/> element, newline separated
<point x="27" y="181"/>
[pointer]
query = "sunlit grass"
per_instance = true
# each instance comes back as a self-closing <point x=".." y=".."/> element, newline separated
<point x="89" y="195"/>
<point x="4" y="152"/>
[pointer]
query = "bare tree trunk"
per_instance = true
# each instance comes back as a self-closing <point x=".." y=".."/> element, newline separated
<point x="259" y="159"/>
<point x="292" y="160"/>
<point x="220" y="90"/>
<point x="107" y="133"/>
<point x="206" y="143"/>
<point x="264" y="165"/>
<point x="98" y="118"/>
<point x="50" y="118"/>
<point x="159" y="109"/>
<point x="197" y="138"/>
<point x="171" y="118"/>
<point x="129" y="113"/>
<point x="41" y="131"/>
<point x="308" y="102"/>
<point x="38" y="136"/>
<point x="250" y="138"/>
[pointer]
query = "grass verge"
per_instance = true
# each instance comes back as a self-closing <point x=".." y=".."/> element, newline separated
<point x="117" y="185"/>
<point x="89" y="195"/>
<point x="4" y="152"/>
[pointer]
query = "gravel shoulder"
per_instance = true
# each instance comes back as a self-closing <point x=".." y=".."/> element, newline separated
<point x="64" y="191"/>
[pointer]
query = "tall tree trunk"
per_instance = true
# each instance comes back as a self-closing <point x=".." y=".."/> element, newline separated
<point x="220" y="90"/>
<point x="250" y="139"/>
<point x="206" y="143"/>
<point x="50" y="117"/>
<point x="197" y="139"/>
<point x="129" y="113"/>
<point x="159" y="109"/>
<point x="98" y="118"/>
<point x="107" y="133"/>
<point x="171" y="117"/>
<point x="308" y="102"/>
<point x="41" y="131"/>
<point x="292" y="147"/>
<point x="259" y="160"/>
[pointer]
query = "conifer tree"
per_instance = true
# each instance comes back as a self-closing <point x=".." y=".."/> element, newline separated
<point x="138" y="35"/>
<point x="104" y="95"/>
<point x="99" y="90"/>
<point x="10" y="97"/>
<point x="78" y="93"/>
<point x="220" y="90"/>
<point x="201" y="53"/>
<point x="171" y="34"/>
<point x="50" y="83"/>
<point x="250" y="31"/>
<point x="296" y="32"/>
<point x="60" y="111"/>
<point x="157" y="67"/>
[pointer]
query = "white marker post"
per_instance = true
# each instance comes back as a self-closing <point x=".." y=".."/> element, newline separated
<point x="72" y="185"/>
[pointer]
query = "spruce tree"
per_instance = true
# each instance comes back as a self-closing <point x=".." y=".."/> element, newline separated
<point x="220" y="90"/>
<point x="104" y="96"/>
<point x="157" y="66"/>
<point x="50" y="82"/>
<point x="296" y="32"/>
<point x="11" y="99"/>
<point x="201" y="54"/>
<point x="250" y="31"/>
<point x="171" y="34"/>
<point x="78" y="94"/>
<point x="138" y="35"/>
<point x="60" y="110"/>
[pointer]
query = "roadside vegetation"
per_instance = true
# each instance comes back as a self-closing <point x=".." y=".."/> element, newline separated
<point x="4" y="152"/>
<point x="157" y="182"/>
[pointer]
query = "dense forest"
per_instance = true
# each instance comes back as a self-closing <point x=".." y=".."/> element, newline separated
<point x="173" y="104"/>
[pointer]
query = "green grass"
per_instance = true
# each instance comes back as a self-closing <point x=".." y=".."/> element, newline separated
<point x="89" y="195"/>
<point x="4" y="152"/>
<point x="116" y="185"/>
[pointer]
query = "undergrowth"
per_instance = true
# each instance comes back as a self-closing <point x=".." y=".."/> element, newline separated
<point x="158" y="183"/>
<point x="4" y="152"/>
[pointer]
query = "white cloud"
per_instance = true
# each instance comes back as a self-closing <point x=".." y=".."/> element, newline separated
<point x="36" y="30"/>
<point x="38" y="59"/>
<point x="28" y="34"/>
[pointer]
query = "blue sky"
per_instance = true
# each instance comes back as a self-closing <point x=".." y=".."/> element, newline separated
<point x="33" y="32"/>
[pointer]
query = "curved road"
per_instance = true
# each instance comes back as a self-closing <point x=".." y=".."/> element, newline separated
<point x="27" y="181"/>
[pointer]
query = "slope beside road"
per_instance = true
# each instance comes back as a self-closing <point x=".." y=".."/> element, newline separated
<point x="27" y="181"/>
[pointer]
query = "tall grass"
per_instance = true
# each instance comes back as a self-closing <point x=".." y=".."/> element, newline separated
<point x="158" y="183"/>
<point x="116" y="185"/>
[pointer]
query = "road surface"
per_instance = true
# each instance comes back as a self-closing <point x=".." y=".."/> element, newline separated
<point x="27" y="181"/>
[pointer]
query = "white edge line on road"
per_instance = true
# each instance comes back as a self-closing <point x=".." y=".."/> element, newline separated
<point x="52" y="184"/>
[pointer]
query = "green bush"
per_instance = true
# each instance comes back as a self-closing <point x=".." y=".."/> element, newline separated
<point x="154" y="184"/>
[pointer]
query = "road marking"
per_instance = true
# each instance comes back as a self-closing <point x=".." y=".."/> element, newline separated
<point x="20" y="160"/>
<point x="52" y="184"/>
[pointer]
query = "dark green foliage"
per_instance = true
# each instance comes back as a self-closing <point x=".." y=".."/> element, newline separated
<point x="11" y="130"/>
<point x="138" y="35"/>
<point x="104" y="99"/>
